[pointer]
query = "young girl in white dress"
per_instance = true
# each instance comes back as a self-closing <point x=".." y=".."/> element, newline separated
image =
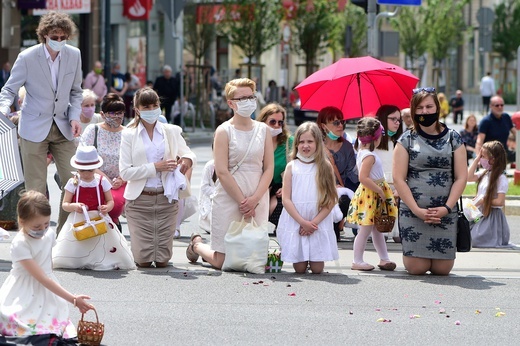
<point x="305" y="229"/>
<point x="32" y="302"/>
<point x="492" y="185"/>
<point x="372" y="190"/>
<point x="108" y="251"/>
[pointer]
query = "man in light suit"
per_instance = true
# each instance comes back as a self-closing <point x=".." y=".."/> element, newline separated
<point x="49" y="121"/>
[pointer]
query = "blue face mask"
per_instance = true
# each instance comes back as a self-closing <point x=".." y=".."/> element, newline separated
<point x="37" y="234"/>
<point x="331" y="135"/>
<point x="391" y="133"/>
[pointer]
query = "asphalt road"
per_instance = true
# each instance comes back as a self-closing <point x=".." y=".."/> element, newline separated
<point x="194" y="304"/>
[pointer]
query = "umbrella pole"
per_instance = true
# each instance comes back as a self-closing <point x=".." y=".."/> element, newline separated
<point x="360" y="98"/>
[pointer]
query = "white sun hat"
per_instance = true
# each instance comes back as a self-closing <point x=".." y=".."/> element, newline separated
<point x="86" y="158"/>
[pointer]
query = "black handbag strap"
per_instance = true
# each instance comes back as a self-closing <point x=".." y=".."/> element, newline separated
<point x="96" y="129"/>
<point x="459" y="207"/>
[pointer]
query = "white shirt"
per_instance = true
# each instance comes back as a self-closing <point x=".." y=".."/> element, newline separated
<point x="54" y="66"/>
<point x="487" y="86"/>
<point x="154" y="152"/>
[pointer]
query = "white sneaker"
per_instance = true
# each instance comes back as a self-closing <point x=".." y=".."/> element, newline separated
<point x="177" y="234"/>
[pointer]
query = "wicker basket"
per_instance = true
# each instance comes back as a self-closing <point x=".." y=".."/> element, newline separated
<point x="7" y="225"/>
<point x="384" y="223"/>
<point x="90" y="333"/>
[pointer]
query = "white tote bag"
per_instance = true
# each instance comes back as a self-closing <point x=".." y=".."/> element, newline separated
<point x="247" y="245"/>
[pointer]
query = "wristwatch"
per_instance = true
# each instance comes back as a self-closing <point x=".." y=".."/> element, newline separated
<point x="448" y="208"/>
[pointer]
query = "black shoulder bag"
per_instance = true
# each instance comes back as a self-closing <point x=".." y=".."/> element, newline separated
<point x="463" y="230"/>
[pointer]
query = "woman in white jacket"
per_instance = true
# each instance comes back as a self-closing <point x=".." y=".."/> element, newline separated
<point x="149" y="151"/>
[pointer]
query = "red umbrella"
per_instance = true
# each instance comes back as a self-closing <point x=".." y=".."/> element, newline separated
<point x="357" y="86"/>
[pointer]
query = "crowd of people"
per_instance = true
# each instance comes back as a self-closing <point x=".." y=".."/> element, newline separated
<point x="309" y="185"/>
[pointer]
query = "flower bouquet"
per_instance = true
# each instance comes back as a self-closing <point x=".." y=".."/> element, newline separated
<point x="274" y="262"/>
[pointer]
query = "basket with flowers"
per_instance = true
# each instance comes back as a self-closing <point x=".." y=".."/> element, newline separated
<point x="274" y="262"/>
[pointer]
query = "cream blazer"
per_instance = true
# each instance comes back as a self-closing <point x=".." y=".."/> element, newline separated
<point x="133" y="164"/>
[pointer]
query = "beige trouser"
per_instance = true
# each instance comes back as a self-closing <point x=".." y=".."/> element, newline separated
<point x="34" y="158"/>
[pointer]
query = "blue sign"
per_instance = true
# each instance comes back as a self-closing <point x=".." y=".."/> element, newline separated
<point x="400" y="2"/>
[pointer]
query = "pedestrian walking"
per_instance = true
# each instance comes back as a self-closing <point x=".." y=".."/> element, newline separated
<point x="424" y="159"/>
<point x="305" y="230"/>
<point x="487" y="90"/>
<point x="492" y="231"/>
<point x="457" y="106"/>
<point x="372" y="192"/>
<point x="168" y="88"/>
<point x="95" y="81"/>
<point x="32" y="302"/>
<point x="469" y="136"/>
<point x="51" y="74"/>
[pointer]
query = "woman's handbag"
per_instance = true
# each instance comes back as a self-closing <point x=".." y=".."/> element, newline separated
<point x="89" y="228"/>
<point x="463" y="231"/>
<point x="384" y="223"/>
<point x="90" y="333"/>
<point x="246" y="244"/>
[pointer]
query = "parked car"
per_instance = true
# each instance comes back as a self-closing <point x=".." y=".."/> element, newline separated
<point x="303" y="115"/>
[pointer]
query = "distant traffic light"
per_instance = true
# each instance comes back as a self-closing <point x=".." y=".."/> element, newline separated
<point x="361" y="3"/>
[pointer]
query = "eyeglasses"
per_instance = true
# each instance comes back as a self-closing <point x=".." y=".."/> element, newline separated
<point x="499" y="105"/>
<point x="338" y="122"/>
<point x="58" y="38"/>
<point x="427" y="90"/>
<point x="245" y="98"/>
<point x="116" y="114"/>
<point x="395" y="120"/>
<point x="273" y="122"/>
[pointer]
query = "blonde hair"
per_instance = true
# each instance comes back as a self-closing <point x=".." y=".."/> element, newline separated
<point x="234" y="84"/>
<point x="271" y="109"/>
<point x="325" y="180"/>
<point x="32" y="204"/>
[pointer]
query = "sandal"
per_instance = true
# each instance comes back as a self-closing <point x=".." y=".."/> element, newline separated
<point x="190" y="252"/>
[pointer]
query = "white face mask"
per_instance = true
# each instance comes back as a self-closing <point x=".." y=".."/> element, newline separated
<point x="305" y="159"/>
<point x="246" y="108"/>
<point x="37" y="234"/>
<point x="275" y="132"/>
<point x="150" y="116"/>
<point x="56" y="45"/>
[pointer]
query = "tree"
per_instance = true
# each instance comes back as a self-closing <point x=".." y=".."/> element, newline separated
<point x="505" y="32"/>
<point x="352" y="28"/>
<point x="313" y="27"/>
<point x="444" y="21"/>
<point x="253" y="26"/>
<point x="198" y="38"/>
<point x="413" y="34"/>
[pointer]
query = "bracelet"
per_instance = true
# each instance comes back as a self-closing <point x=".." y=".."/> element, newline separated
<point x="449" y="209"/>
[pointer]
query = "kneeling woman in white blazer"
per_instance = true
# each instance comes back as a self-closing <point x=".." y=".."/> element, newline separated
<point x="149" y="150"/>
